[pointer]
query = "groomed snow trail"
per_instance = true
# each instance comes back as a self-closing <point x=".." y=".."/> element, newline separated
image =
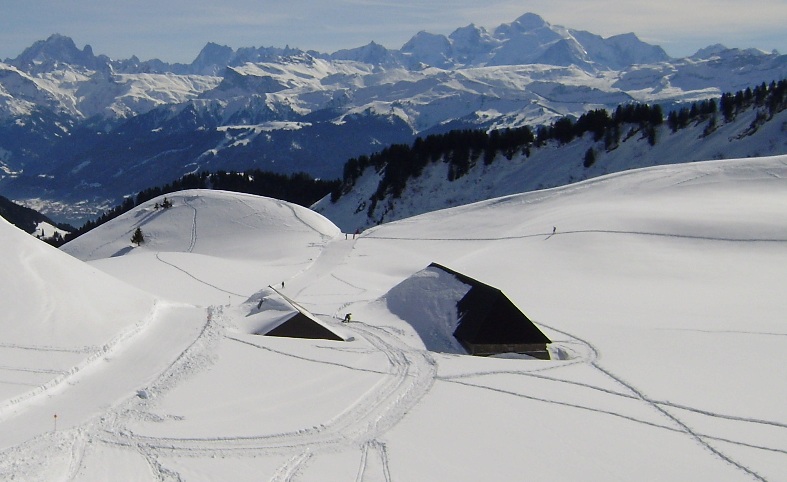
<point x="332" y="255"/>
<point x="410" y="375"/>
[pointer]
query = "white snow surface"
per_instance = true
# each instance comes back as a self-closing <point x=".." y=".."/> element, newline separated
<point x="662" y="290"/>
<point x="47" y="230"/>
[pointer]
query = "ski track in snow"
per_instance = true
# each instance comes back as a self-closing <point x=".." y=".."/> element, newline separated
<point x="86" y="425"/>
<point x="303" y="358"/>
<point x="187" y="273"/>
<point x="534" y="374"/>
<point x="56" y="349"/>
<point x="587" y="231"/>
<point x="377" y="459"/>
<point x="46" y="300"/>
<point x="290" y="469"/>
<point x="118" y="342"/>
<point x="331" y="256"/>
<point x="682" y="426"/>
<point x="193" y="242"/>
<point x="299" y="218"/>
<point x="732" y="332"/>
<point x="77" y="455"/>
<point x="410" y="376"/>
<point x="32" y="370"/>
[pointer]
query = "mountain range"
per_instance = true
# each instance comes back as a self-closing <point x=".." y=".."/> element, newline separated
<point x="78" y="131"/>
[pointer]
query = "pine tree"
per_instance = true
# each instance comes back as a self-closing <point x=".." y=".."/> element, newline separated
<point x="138" y="238"/>
<point x="651" y="133"/>
<point x="590" y="158"/>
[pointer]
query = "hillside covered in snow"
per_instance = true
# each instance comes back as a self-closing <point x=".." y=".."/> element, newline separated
<point x="660" y="289"/>
<point x="403" y="181"/>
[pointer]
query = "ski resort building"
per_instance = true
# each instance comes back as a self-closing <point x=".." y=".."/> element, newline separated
<point x="489" y="323"/>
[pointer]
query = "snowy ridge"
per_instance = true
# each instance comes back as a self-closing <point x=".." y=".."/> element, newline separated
<point x="250" y="218"/>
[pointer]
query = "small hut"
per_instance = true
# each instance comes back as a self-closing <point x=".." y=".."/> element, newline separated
<point x="301" y="324"/>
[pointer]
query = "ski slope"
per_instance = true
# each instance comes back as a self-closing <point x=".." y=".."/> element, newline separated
<point x="662" y="289"/>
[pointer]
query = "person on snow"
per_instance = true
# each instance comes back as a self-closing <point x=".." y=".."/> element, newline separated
<point x="347" y="317"/>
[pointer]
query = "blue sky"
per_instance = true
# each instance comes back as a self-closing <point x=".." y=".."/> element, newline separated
<point x="176" y="30"/>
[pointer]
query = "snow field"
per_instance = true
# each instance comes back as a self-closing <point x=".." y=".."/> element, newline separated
<point x="661" y="289"/>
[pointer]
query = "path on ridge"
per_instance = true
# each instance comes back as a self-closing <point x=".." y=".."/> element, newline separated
<point x="332" y="256"/>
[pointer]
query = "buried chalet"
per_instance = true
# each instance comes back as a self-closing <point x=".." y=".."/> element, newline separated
<point x="488" y="323"/>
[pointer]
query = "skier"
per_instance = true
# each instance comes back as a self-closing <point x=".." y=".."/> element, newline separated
<point x="347" y="317"/>
<point x="282" y="285"/>
<point x="554" y="228"/>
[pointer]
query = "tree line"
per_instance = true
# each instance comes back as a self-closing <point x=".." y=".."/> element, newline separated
<point x="463" y="148"/>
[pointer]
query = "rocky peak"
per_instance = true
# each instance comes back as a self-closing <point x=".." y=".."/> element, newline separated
<point x="529" y="21"/>
<point x="212" y="59"/>
<point x="45" y="54"/>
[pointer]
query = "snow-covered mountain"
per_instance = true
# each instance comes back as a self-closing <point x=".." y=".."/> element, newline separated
<point x="661" y="290"/>
<point x="83" y="130"/>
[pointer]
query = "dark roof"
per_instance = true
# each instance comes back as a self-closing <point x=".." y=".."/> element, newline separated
<point x="486" y="316"/>
<point x="301" y="326"/>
